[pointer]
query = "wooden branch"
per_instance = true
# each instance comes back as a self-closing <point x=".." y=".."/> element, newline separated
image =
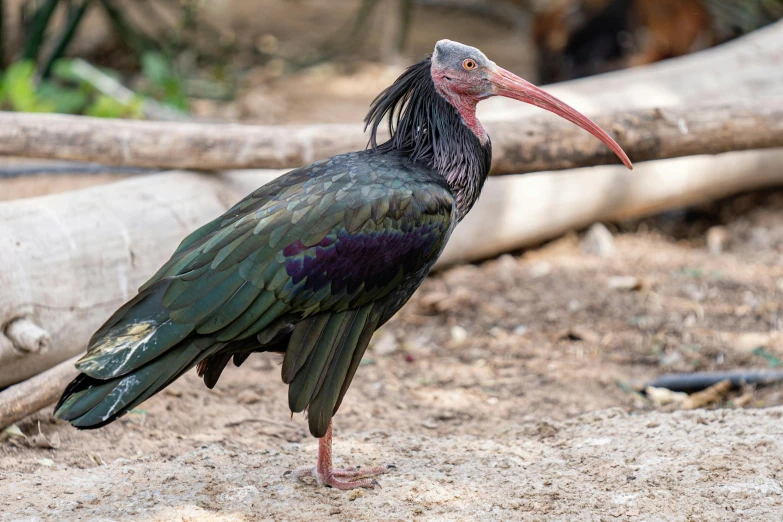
<point x="26" y="336"/>
<point x="538" y="144"/>
<point x="645" y="134"/>
<point x="21" y="400"/>
<point x="172" y="145"/>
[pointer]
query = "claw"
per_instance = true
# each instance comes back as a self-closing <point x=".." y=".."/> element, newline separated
<point x="325" y="475"/>
<point x="332" y="478"/>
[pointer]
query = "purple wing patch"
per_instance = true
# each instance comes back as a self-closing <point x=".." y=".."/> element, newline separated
<point x="348" y="260"/>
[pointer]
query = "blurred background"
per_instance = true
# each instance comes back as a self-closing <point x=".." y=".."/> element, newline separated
<point x="275" y="61"/>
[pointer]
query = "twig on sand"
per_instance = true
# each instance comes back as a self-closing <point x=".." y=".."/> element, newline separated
<point x="262" y="420"/>
<point x="714" y="393"/>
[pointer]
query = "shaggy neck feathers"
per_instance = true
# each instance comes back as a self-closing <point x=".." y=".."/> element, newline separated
<point x="428" y="128"/>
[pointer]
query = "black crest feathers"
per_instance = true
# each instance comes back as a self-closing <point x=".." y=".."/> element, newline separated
<point x="417" y="115"/>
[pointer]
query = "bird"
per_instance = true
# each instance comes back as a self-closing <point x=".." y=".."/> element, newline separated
<point x="312" y="263"/>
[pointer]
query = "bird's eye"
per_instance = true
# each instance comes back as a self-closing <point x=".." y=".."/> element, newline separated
<point x="469" y="64"/>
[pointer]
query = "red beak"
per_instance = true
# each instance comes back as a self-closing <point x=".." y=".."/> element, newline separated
<point x="512" y="86"/>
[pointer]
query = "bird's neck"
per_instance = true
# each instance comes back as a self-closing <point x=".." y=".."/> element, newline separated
<point x="463" y="157"/>
<point x="466" y="108"/>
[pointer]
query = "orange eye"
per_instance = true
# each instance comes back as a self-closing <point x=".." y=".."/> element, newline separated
<point x="469" y="64"/>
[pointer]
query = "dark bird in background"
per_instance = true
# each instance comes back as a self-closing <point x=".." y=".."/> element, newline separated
<point x="577" y="38"/>
<point x="311" y="264"/>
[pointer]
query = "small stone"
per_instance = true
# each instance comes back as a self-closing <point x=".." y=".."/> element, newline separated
<point x="248" y="397"/>
<point x="520" y="330"/>
<point x="717" y="239"/>
<point x="458" y="334"/>
<point x="598" y="241"/>
<point x="540" y="269"/>
<point x="267" y="44"/>
<point x="626" y="283"/>
<point x="760" y="237"/>
<point x="384" y="343"/>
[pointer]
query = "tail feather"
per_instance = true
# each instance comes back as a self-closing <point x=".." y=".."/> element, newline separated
<point x="81" y="396"/>
<point x="135" y="335"/>
<point x="90" y="403"/>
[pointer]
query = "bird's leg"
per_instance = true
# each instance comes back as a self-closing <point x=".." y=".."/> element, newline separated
<point x="326" y="475"/>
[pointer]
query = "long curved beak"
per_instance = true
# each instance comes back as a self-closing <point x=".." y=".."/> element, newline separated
<point x="512" y="86"/>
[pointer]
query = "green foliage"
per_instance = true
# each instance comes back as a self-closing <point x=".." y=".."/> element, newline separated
<point x="65" y="93"/>
<point x="105" y="107"/>
<point x="164" y="83"/>
<point x="46" y="84"/>
<point x="19" y="89"/>
<point x="770" y="358"/>
<point x="63" y="99"/>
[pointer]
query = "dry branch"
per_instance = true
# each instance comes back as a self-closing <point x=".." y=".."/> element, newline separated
<point x="714" y="393"/>
<point x="25" y="398"/>
<point x="645" y="134"/>
<point x="536" y="144"/>
<point x="518" y="211"/>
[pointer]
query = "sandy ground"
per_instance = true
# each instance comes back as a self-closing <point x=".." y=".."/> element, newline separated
<point x="718" y="465"/>
<point x="500" y="391"/>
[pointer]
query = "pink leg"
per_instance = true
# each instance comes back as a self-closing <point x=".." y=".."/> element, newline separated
<point x="326" y="475"/>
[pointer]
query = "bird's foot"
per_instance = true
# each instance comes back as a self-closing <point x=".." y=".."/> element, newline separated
<point x="357" y="477"/>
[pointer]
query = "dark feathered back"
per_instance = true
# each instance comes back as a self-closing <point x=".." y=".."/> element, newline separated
<point x="429" y="129"/>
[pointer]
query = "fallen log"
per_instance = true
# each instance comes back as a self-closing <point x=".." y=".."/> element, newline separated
<point x="546" y="143"/>
<point x="69" y="260"/>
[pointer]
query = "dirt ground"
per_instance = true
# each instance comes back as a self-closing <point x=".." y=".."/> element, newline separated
<point x="501" y="391"/>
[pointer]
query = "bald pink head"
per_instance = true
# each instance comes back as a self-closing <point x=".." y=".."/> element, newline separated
<point x="464" y="76"/>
